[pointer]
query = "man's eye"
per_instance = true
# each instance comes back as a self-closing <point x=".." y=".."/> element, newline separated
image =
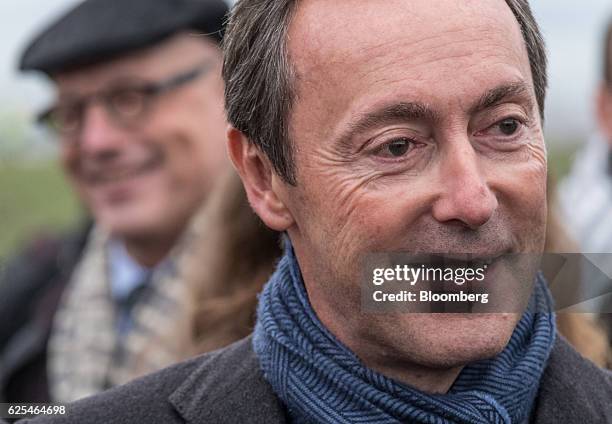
<point x="397" y="148"/>
<point x="128" y="103"/>
<point x="509" y="126"/>
<point x="66" y="117"/>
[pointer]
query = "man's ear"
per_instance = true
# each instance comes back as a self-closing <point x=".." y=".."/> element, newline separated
<point x="263" y="186"/>
<point x="604" y="110"/>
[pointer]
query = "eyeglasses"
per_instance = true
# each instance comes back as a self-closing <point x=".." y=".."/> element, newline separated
<point x="126" y="105"/>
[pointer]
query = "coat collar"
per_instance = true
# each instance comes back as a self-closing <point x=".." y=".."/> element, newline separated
<point x="572" y="389"/>
<point x="228" y="387"/>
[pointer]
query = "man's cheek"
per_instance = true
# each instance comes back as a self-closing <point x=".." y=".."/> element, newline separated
<point x="349" y="218"/>
<point x="182" y="169"/>
<point x="531" y="182"/>
<point x="518" y="183"/>
<point x="368" y="226"/>
<point x="529" y="208"/>
<point x="69" y="159"/>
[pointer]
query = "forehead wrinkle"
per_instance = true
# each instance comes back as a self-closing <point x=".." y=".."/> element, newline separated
<point x="372" y="61"/>
<point x="429" y="41"/>
<point x="409" y="34"/>
<point x="428" y="55"/>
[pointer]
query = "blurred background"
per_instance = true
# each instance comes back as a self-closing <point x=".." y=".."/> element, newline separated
<point x="34" y="197"/>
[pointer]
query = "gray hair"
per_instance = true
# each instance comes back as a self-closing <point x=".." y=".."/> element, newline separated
<point x="259" y="78"/>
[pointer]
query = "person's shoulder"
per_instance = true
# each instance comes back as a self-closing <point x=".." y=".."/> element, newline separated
<point x="229" y="387"/>
<point x="221" y="386"/>
<point x="573" y="389"/>
<point x="142" y="400"/>
<point x="44" y="255"/>
<point x="37" y="273"/>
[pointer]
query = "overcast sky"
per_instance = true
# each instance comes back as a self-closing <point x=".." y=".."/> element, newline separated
<point x="572" y="30"/>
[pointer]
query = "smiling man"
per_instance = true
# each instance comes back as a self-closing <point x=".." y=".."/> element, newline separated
<point x="416" y="157"/>
<point x="140" y="126"/>
<point x="383" y="126"/>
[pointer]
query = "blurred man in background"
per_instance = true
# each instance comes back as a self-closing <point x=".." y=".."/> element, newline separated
<point x="585" y="196"/>
<point x="140" y="121"/>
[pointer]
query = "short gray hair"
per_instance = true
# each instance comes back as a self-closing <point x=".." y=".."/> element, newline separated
<point x="259" y="83"/>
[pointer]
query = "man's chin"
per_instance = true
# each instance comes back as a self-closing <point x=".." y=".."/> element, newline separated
<point x="442" y="341"/>
<point x="122" y="223"/>
<point x="465" y="338"/>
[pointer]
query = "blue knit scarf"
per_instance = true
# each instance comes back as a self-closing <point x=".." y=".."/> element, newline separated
<point x="321" y="381"/>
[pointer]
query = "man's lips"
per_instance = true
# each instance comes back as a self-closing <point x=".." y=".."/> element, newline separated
<point x="463" y="260"/>
<point x="454" y="260"/>
<point x="437" y="268"/>
<point x="113" y="173"/>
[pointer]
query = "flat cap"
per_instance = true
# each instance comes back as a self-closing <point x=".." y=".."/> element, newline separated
<point x="96" y="30"/>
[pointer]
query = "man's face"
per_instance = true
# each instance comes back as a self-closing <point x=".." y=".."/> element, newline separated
<point x="416" y="129"/>
<point x="147" y="178"/>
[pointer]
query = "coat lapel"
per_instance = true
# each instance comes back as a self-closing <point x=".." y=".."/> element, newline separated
<point x="572" y="389"/>
<point x="228" y="388"/>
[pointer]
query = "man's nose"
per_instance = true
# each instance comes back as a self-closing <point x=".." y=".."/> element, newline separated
<point x="465" y="197"/>
<point x="99" y="135"/>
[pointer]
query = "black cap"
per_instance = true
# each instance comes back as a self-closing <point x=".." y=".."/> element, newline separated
<point x="97" y="30"/>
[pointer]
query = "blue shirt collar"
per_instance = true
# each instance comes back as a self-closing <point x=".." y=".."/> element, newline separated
<point x="126" y="275"/>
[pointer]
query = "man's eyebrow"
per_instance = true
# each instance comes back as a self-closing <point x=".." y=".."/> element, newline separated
<point x="403" y="111"/>
<point x="502" y="93"/>
<point x="415" y="111"/>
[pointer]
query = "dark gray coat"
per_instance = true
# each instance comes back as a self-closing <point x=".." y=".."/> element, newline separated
<point x="227" y="387"/>
<point x="31" y="287"/>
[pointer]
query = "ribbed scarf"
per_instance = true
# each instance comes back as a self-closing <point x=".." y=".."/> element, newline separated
<point x="321" y="381"/>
